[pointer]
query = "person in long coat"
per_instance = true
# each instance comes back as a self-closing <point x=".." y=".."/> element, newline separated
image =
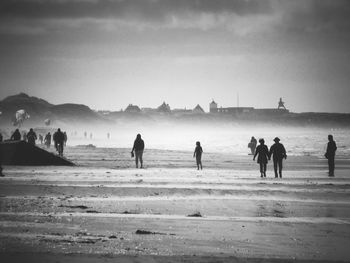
<point x="263" y="155"/>
<point x="330" y="154"/>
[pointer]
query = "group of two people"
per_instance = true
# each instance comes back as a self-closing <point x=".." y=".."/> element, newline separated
<point x="277" y="151"/>
<point x="139" y="146"/>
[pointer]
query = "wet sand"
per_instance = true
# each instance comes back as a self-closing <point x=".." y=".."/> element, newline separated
<point x="104" y="210"/>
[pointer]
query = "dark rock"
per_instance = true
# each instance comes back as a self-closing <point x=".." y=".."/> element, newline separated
<point x="23" y="153"/>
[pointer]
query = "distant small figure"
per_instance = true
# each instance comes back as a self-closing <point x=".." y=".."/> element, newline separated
<point x="31" y="136"/>
<point x="252" y="145"/>
<point x="1" y="174"/>
<point x="90" y="135"/>
<point x="281" y="104"/>
<point x="47" y="140"/>
<point x="85" y="135"/>
<point x="25" y="138"/>
<point x="58" y="138"/>
<point x="198" y="154"/>
<point x="16" y="136"/>
<point x="108" y="135"/>
<point x="263" y="155"/>
<point x="139" y="146"/>
<point x="65" y="138"/>
<point x="41" y="139"/>
<point x="330" y="154"/>
<point x="279" y="152"/>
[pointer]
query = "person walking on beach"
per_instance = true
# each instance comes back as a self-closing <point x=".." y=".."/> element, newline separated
<point x="263" y="155"/>
<point x="198" y="154"/>
<point x="138" y="148"/>
<point x="16" y="136"/>
<point x="41" y="139"/>
<point x="330" y="154"/>
<point x="252" y="145"/>
<point x="65" y="138"/>
<point x="31" y="136"/>
<point x="279" y="152"/>
<point x="58" y="138"/>
<point x="47" y="140"/>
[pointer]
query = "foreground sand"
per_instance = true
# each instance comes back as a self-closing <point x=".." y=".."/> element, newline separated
<point x="105" y="211"/>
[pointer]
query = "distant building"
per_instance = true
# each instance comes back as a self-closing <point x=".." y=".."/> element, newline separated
<point x="235" y="110"/>
<point x="132" y="108"/>
<point x="181" y="111"/>
<point x="213" y="107"/>
<point x="164" y="108"/>
<point x="198" y="109"/>
<point x="148" y="110"/>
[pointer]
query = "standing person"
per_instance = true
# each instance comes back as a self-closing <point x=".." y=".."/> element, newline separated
<point x="31" y="136"/>
<point x="16" y="136"/>
<point x="24" y="137"/>
<point x="138" y="147"/>
<point x="263" y="155"/>
<point x="47" y="140"/>
<point x="58" y="138"/>
<point x="279" y="152"/>
<point x="330" y="154"/>
<point x="85" y="134"/>
<point x="252" y="145"/>
<point x="41" y="139"/>
<point x="1" y="174"/>
<point x="65" y="138"/>
<point x="198" y="154"/>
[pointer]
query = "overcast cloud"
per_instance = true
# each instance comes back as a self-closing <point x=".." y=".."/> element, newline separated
<point x="164" y="48"/>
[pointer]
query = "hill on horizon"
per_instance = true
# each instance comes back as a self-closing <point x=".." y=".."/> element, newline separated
<point x="40" y="110"/>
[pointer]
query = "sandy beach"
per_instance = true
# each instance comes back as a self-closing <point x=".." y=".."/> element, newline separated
<point x="105" y="210"/>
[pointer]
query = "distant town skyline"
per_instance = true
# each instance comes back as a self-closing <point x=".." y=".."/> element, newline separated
<point x="108" y="54"/>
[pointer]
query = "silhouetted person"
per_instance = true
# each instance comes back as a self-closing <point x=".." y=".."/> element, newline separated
<point x="263" y="155"/>
<point x="65" y="138"/>
<point x="16" y="136"/>
<point x="1" y="174"/>
<point x="279" y="152"/>
<point x="108" y="135"/>
<point x="24" y="136"/>
<point x="252" y="145"/>
<point x="198" y="154"/>
<point x="281" y="104"/>
<point x="47" y="140"/>
<point x="85" y="135"/>
<point x="31" y="136"/>
<point x="138" y="147"/>
<point x="58" y="138"/>
<point x="330" y="154"/>
<point x="41" y="139"/>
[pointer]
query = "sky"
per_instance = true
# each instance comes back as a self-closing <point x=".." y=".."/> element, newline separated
<point x="107" y="54"/>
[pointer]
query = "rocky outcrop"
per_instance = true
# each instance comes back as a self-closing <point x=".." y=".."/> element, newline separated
<point x="23" y="153"/>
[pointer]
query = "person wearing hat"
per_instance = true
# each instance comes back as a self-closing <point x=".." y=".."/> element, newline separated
<point x="263" y="153"/>
<point x="279" y="152"/>
<point x="330" y="154"/>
